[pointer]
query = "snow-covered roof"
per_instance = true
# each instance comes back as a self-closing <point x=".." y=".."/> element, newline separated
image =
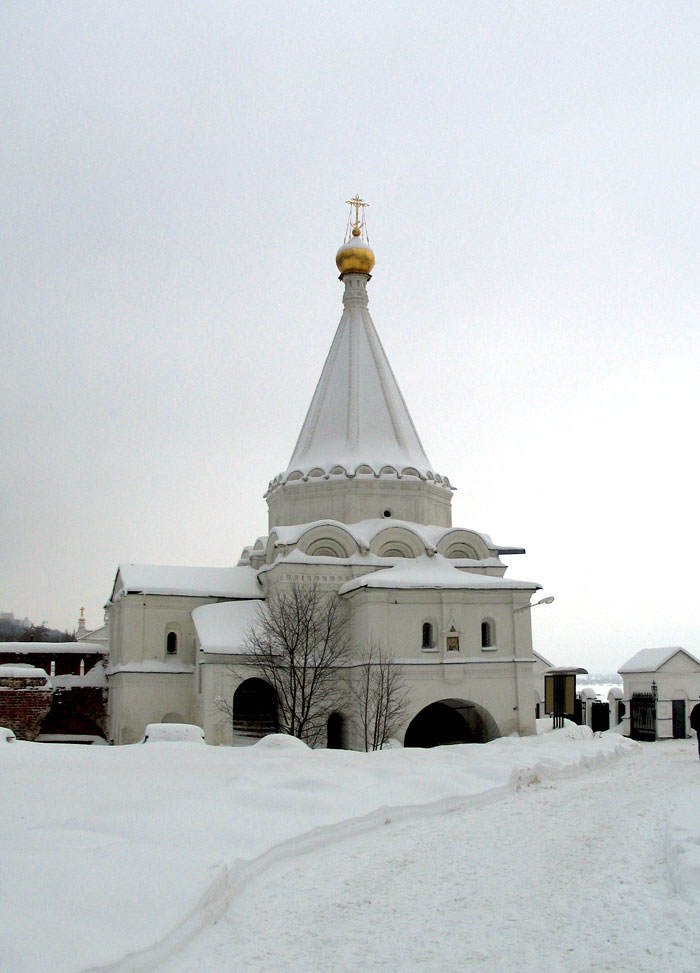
<point x="223" y="627"/>
<point x="95" y="677"/>
<point x="22" y="671"/>
<point x="53" y="648"/>
<point x="162" y="579"/>
<point x="363" y="533"/>
<point x="649" y="660"/>
<point x="100" y="634"/>
<point x="432" y="572"/>
<point x="540" y="658"/>
<point x="358" y="421"/>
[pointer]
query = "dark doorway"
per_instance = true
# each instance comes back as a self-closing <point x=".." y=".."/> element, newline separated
<point x="679" y="730"/>
<point x="450" y="721"/>
<point x="334" y="732"/>
<point x="254" y="710"/>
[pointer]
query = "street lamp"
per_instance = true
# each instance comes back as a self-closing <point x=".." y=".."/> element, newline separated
<point x="543" y="601"/>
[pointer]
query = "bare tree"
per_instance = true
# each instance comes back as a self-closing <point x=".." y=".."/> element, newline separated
<point x="380" y="695"/>
<point x="300" y="646"/>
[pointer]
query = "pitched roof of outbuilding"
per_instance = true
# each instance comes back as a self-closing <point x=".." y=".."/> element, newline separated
<point x="650" y="660"/>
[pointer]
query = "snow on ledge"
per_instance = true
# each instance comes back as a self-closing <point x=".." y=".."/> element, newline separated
<point x="432" y="572"/>
<point x="153" y="665"/>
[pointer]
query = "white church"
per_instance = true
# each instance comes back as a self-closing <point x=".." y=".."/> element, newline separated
<point x="359" y="510"/>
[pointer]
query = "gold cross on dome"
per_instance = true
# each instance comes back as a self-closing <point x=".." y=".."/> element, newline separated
<point x="358" y="204"/>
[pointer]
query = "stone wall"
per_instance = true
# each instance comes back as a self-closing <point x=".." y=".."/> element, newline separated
<point x="25" y="701"/>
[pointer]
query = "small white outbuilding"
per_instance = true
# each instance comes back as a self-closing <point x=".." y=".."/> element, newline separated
<point x="670" y="675"/>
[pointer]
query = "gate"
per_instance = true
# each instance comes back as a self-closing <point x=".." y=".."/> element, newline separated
<point x="643" y="716"/>
<point x="600" y="716"/>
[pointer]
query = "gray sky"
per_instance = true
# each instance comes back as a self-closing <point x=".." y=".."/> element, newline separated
<point x="173" y="182"/>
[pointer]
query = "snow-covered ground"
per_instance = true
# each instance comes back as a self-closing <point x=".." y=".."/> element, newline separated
<point x="522" y="854"/>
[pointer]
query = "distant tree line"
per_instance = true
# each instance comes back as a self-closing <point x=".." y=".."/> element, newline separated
<point x="14" y="631"/>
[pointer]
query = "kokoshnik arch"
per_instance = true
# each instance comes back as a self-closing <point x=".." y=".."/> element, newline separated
<point x="359" y="510"/>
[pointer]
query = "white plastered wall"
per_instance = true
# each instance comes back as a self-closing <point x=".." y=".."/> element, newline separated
<point x="678" y="678"/>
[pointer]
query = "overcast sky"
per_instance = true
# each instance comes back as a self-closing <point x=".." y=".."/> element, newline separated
<point x="173" y="183"/>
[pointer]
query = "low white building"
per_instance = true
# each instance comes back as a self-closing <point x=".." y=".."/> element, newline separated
<point x="670" y="674"/>
<point x="360" y="511"/>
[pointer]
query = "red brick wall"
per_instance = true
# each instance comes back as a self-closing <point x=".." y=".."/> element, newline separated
<point x="24" y="703"/>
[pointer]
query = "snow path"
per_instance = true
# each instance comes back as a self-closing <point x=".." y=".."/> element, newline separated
<point x="570" y="875"/>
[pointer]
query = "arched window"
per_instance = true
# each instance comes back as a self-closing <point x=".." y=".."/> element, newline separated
<point x="487" y="634"/>
<point x="171" y="643"/>
<point x="427" y="640"/>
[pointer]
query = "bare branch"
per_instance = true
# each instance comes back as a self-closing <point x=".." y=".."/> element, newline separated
<point x="380" y="695"/>
<point x="300" y="645"/>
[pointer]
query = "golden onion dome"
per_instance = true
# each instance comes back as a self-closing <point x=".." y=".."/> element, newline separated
<point x="355" y="256"/>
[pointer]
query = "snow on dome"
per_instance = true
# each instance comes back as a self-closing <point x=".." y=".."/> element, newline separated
<point x="162" y="579"/>
<point x="649" y="660"/>
<point x="223" y="627"/>
<point x="358" y="423"/>
<point x="432" y="572"/>
<point x="355" y="257"/>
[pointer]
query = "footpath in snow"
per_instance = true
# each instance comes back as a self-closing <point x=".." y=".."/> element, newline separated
<point x="570" y="874"/>
<point x="125" y="857"/>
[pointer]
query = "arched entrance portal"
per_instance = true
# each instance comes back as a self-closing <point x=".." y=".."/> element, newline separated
<point x="450" y="721"/>
<point x="254" y="711"/>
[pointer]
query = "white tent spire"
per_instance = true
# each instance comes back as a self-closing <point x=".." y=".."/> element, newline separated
<point x="357" y="415"/>
<point x="358" y="422"/>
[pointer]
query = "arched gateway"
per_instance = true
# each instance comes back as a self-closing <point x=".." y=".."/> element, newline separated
<point x="254" y="711"/>
<point x="451" y="721"/>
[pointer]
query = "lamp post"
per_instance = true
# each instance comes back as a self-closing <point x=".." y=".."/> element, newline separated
<point x="543" y="601"/>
